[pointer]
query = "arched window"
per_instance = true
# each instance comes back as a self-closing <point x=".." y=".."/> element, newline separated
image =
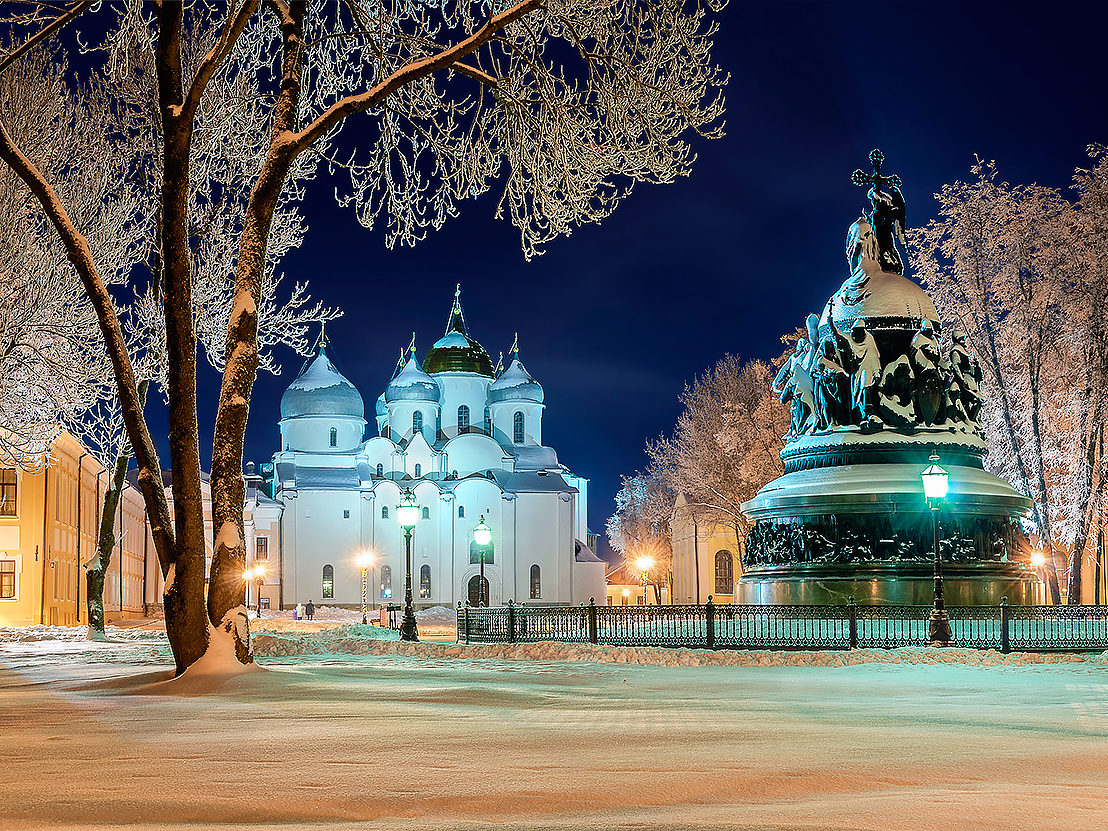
<point x="536" y="582"/>
<point x="418" y="470"/>
<point x="463" y="419"/>
<point x="334" y="437"/>
<point x="417" y="422"/>
<point x="426" y="513"/>
<point x="384" y="512"/>
<point x="478" y="591"/>
<point x="386" y="582"/>
<point x="425" y="581"/>
<point x="488" y="421"/>
<point x="461" y="512"/>
<point x="328" y="582"/>
<point x="380" y="469"/>
<point x="517" y="428"/>
<point x="725" y="573"/>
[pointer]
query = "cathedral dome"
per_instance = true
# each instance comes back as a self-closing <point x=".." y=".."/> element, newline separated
<point x="413" y="384"/>
<point x="515" y="384"/>
<point x="456" y="351"/>
<point x="382" y="408"/>
<point x="320" y="389"/>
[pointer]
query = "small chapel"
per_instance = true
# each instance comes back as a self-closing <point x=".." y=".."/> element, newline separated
<point x="465" y="438"/>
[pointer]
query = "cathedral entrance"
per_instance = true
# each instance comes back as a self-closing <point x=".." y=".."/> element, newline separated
<point x="478" y="593"/>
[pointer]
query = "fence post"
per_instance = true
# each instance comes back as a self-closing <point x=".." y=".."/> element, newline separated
<point x="467" y="622"/>
<point x="710" y="622"/>
<point x="460" y="628"/>
<point x="1005" y="638"/>
<point x="592" y="620"/>
<point x="511" y="622"/>
<point x="852" y="616"/>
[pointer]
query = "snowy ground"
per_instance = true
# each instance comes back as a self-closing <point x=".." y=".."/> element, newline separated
<point x="548" y="736"/>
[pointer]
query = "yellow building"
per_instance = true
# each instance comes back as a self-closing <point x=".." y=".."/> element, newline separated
<point x="705" y="557"/>
<point x="48" y="528"/>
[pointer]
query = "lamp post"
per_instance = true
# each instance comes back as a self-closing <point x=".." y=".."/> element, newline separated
<point x="645" y="564"/>
<point x="257" y="574"/>
<point x="365" y="560"/>
<point x="407" y="513"/>
<point x="934" y="489"/>
<point x="482" y="535"/>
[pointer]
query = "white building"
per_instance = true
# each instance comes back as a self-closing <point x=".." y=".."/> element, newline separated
<point x="467" y="441"/>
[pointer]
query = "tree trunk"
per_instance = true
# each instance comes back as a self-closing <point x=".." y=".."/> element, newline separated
<point x="105" y="542"/>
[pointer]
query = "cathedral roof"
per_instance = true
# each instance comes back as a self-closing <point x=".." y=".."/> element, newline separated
<point x="413" y="384"/>
<point x="456" y="351"/>
<point x="515" y="383"/>
<point x="320" y="389"/>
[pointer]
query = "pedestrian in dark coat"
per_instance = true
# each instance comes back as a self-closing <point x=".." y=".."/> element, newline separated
<point x="309" y="610"/>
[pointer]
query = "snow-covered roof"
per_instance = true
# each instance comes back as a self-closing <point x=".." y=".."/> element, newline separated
<point x="515" y="384"/>
<point x="324" y="478"/>
<point x="583" y="554"/>
<point x="533" y="456"/>
<point x="321" y="390"/>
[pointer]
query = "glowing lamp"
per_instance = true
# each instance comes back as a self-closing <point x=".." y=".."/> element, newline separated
<point x="645" y="563"/>
<point x="482" y="534"/>
<point x="626" y="592"/>
<point x="365" y="559"/>
<point x="248" y="574"/>
<point x="1038" y="560"/>
<point x="934" y="479"/>
<point x="407" y="512"/>
<point x="259" y="572"/>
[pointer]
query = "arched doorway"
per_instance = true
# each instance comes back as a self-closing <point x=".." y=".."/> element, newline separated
<point x="477" y="597"/>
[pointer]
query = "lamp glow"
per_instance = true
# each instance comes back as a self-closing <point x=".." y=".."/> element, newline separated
<point x="259" y="572"/>
<point x="407" y="512"/>
<point x="626" y="592"/>
<point x="482" y="534"/>
<point x="1038" y="560"/>
<point x="365" y="559"/>
<point x="645" y="563"/>
<point x="248" y="574"/>
<point x="935" y="479"/>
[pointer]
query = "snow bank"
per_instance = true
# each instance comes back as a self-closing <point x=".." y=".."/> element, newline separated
<point x="325" y="614"/>
<point x="214" y="668"/>
<point x="367" y="640"/>
<point x="22" y="634"/>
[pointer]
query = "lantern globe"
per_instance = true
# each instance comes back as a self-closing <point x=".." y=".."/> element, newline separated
<point x="482" y="534"/>
<point x="407" y="512"/>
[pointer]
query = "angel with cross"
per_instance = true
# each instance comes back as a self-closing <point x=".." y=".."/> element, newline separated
<point x="886" y="212"/>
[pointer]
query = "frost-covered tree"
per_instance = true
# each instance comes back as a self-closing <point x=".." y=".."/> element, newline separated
<point x="568" y="103"/>
<point x="640" y="525"/>
<point x="726" y="444"/>
<point x="1020" y="268"/>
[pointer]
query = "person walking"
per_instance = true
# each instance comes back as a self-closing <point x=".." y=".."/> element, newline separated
<point x="309" y="610"/>
<point x="298" y="612"/>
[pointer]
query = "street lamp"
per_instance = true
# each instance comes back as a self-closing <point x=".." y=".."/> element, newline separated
<point x="644" y="564"/>
<point x="365" y="560"/>
<point x="257" y="574"/>
<point x="482" y="535"/>
<point x="407" y="513"/>
<point x="934" y="489"/>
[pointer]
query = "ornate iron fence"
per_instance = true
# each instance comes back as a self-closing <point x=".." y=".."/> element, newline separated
<point x="846" y="626"/>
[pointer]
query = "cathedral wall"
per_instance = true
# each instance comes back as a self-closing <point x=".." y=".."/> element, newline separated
<point x="460" y="388"/>
<point x="322" y="534"/>
<point x="503" y="420"/>
<point x="313" y="433"/>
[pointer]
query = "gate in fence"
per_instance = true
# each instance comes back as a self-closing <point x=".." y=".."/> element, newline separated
<point x="710" y="626"/>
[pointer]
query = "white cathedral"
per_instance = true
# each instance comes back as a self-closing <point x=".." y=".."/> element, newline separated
<point x="466" y="439"/>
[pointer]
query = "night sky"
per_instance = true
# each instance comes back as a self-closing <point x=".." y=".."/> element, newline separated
<point x="613" y="320"/>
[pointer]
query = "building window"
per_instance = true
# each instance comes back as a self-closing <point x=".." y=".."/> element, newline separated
<point x="461" y="512"/>
<point x="328" y="582"/>
<point x="418" y="470"/>
<point x="346" y="513"/>
<point x="386" y="582"/>
<point x="536" y="582"/>
<point x="725" y="573"/>
<point x="380" y="470"/>
<point x="7" y="579"/>
<point x="426" y="513"/>
<point x="425" y="581"/>
<point x="384" y="512"/>
<point x="417" y="423"/>
<point x="517" y="428"/>
<point x="463" y="419"/>
<point x="265" y="602"/>
<point x="8" y="487"/>
<point x="334" y="437"/>
<point x="488" y="421"/>
<point x="261" y="548"/>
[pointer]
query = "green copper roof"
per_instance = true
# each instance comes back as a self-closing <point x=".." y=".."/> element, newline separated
<point x="456" y="351"/>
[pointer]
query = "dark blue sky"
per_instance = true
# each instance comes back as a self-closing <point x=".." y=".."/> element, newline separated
<point x="614" y="319"/>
